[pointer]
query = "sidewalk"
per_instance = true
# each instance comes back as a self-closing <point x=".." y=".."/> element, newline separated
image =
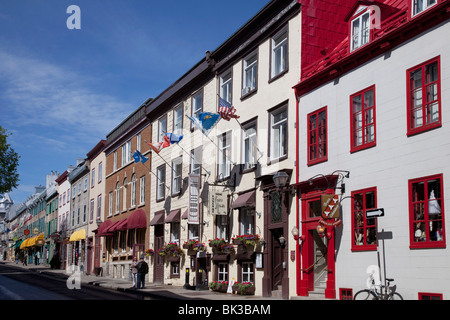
<point x="152" y="291"/>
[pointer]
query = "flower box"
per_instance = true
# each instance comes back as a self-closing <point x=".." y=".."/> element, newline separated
<point x="244" y="288"/>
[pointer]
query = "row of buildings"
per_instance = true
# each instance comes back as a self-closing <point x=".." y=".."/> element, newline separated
<point x="336" y="165"/>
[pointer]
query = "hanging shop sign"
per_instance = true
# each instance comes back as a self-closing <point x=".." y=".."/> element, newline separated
<point x="217" y="203"/>
<point x="194" y="187"/>
<point x="36" y="230"/>
<point x="26" y="232"/>
<point x="330" y="206"/>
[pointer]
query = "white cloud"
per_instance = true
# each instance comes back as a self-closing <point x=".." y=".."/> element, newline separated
<point x="35" y="92"/>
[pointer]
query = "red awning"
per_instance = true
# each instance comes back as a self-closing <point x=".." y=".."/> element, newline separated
<point x="185" y="215"/>
<point x="137" y="220"/>
<point x="158" y="218"/>
<point x="122" y="225"/>
<point x="111" y="228"/>
<point x="174" y="216"/>
<point x="101" y="231"/>
<point x="245" y="200"/>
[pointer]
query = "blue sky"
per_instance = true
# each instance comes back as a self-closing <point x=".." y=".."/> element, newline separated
<point x="62" y="91"/>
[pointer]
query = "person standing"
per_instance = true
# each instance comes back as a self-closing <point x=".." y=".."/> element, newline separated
<point x="134" y="271"/>
<point x="142" y="270"/>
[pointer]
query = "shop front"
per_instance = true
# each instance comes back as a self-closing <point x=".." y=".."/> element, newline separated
<point x="319" y="218"/>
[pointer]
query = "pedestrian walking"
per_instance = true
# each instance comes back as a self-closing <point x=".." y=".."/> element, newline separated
<point x="142" y="270"/>
<point x="134" y="271"/>
<point x="25" y="258"/>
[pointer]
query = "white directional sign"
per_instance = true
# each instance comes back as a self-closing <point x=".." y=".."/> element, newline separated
<point x="373" y="213"/>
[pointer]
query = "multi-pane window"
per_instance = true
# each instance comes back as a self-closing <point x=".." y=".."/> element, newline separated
<point x="426" y="212"/>
<point x="196" y="160"/>
<point x="224" y="163"/>
<point x="248" y="272"/>
<point x="363" y="130"/>
<point x="360" y="30"/>
<point x="175" y="232"/>
<point x="197" y="105"/>
<point x="126" y="153"/>
<point x="317" y="136"/>
<point x="133" y="191"/>
<point x="279" y="53"/>
<point x="421" y="5"/>
<point x="92" y="177"/>
<point x="161" y="182"/>
<point x="222" y="271"/>
<point x="221" y="226"/>
<point x="247" y="221"/>
<point x="111" y="201"/>
<point x="117" y="197"/>
<point x="178" y="120"/>
<point x="162" y="127"/>
<point x="364" y="229"/>
<point x="99" y="207"/>
<point x="249" y="74"/>
<point x="424" y="107"/>
<point x="225" y="86"/>
<point x="91" y="210"/>
<point x="142" y="190"/>
<point x="249" y="147"/>
<point x="176" y="175"/>
<point x="278" y="133"/>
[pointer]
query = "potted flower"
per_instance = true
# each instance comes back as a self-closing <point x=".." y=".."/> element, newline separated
<point x="218" y="286"/>
<point x="172" y="251"/>
<point x="244" y="288"/>
<point x="194" y="245"/>
<point x="246" y="240"/>
<point x="221" y="247"/>
<point x="149" y="252"/>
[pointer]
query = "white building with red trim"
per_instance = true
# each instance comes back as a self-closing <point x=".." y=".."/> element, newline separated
<point x="373" y="127"/>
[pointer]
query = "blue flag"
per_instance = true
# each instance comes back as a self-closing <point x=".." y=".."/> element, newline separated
<point x="205" y="121"/>
<point x="174" y="138"/>
<point x="139" y="157"/>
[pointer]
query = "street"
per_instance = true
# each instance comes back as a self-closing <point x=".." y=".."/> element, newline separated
<point x="21" y="284"/>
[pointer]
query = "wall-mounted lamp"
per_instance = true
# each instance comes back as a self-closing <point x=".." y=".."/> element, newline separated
<point x="206" y="222"/>
<point x="262" y="242"/>
<point x="280" y="179"/>
<point x="295" y="232"/>
<point x="282" y="240"/>
<point x="322" y="232"/>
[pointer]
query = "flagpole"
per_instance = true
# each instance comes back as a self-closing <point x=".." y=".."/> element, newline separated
<point x="161" y="157"/>
<point x="168" y="188"/>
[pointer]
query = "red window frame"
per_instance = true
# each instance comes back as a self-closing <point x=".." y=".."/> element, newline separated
<point x="432" y="225"/>
<point x="317" y="136"/>
<point x="367" y="117"/>
<point x="363" y="228"/>
<point x="424" y="109"/>
<point x="430" y="296"/>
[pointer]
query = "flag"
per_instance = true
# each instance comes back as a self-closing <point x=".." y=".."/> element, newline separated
<point x="139" y="157"/>
<point x="174" y="138"/>
<point x="226" y="110"/>
<point x="205" y="121"/>
<point x="157" y="147"/>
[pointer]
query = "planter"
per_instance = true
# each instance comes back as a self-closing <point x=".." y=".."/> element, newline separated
<point x="221" y="257"/>
<point x="172" y="259"/>
<point x="243" y="289"/>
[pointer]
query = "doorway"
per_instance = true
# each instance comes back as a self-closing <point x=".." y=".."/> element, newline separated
<point x="277" y="259"/>
<point x="158" y="271"/>
<point x="320" y="268"/>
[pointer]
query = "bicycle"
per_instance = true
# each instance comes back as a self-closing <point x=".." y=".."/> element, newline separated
<point x="386" y="292"/>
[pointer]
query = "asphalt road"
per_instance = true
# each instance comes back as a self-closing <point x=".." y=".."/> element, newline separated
<point x="20" y="284"/>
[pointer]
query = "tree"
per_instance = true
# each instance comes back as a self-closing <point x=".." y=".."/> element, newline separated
<point x="9" y="162"/>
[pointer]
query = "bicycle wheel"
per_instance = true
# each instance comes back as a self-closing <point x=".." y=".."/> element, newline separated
<point x="395" y="296"/>
<point x="365" y="295"/>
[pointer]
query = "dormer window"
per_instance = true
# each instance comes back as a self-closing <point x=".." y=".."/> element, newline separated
<point x="421" y="5"/>
<point x="360" y="28"/>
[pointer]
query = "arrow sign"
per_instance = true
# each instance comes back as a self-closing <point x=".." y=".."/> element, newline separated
<point x="373" y="213"/>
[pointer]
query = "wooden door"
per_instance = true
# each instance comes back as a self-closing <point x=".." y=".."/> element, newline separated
<point x="158" y="273"/>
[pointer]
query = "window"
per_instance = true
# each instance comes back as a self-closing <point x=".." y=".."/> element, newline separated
<point x="249" y="146"/>
<point x="161" y="179"/>
<point x="421" y="5"/>
<point x="197" y="105"/>
<point x="178" y="120"/>
<point x="196" y="160"/>
<point x="278" y="134"/>
<point x="93" y="177"/>
<point x="247" y="221"/>
<point x="125" y="194"/>
<point x="222" y="271"/>
<point x="364" y="229"/>
<point x="162" y="128"/>
<point x="79" y="188"/>
<point x="221" y="226"/>
<point x="91" y="211"/>
<point x="133" y="191"/>
<point x="279" y="53"/>
<point x="117" y="197"/>
<point x="360" y="30"/>
<point x="99" y="207"/>
<point x="175" y="232"/>
<point x="247" y="272"/>
<point x="424" y="96"/>
<point x="177" y="166"/>
<point x="363" y="130"/>
<point x="115" y="161"/>
<point x="226" y="86"/>
<point x="317" y="136"/>
<point x="345" y="294"/>
<point x="430" y="296"/>
<point x="249" y="74"/>
<point x="142" y="190"/>
<point x="193" y="231"/>
<point x="224" y="163"/>
<point x="100" y="167"/>
<point x="426" y="212"/>
<point x="111" y="201"/>
<point x="85" y="184"/>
